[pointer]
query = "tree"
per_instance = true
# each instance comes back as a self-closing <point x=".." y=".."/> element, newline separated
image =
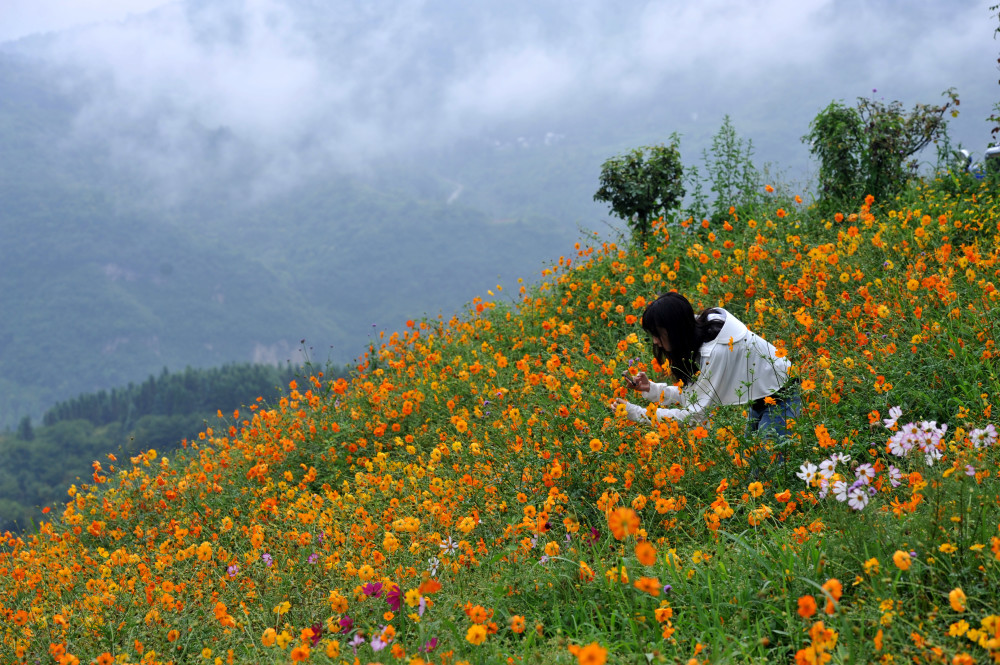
<point x="643" y="184"/>
<point x="867" y="149"/>
<point x="25" y="431"/>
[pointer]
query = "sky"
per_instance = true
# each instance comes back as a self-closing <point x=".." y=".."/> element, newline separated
<point x="286" y="89"/>
<point x="20" y="18"/>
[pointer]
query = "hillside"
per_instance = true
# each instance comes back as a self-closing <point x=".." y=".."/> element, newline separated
<point x="469" y="497"/>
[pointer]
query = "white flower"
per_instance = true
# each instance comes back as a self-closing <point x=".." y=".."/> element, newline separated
<point x="840" y="490"/>
<point x="809" y="472"/>
<point x="985" y="437"/>
<point x="433" y="564"/>
<point x="901" y="443"/>
<point x="894" y="476"/>
<point x="840" y="457"/>
<point x="827" y="466"/>
<point x="894" y="414"/>
<point x="448" y="546"/>
<point x="865" y="473"/>
<point x="858" y="497"/>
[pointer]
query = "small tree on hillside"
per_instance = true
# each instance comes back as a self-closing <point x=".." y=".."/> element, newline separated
<point x="643" y="184"/>
<point x="868" y="149"/>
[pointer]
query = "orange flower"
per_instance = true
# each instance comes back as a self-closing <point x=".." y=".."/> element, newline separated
<point x="835" y="589"/>
<point x="592" y="654"/>
<point x="902" y="560"/>
<point x="477" y="613"/>
<point x="807" y="606"/>
<point x="623" y="522"/>
<point x="645" y="553"/>
<point x="650" y="585"/>
<point x="300" y="654"/>
<point x="517" y="624"/>
<point x="956" y="598"/>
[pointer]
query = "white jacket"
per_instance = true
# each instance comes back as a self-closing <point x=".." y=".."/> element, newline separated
<point x="737" y="367"/>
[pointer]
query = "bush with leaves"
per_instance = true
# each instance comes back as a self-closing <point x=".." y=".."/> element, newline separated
<point x="868" y="149"/>
<point x="643" y="184"/>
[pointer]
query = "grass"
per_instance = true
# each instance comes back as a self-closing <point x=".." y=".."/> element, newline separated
<point x="468" y="496"/>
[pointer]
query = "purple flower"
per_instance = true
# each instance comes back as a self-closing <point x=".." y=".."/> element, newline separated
<point x="372" y="589"/>
<point x="233" y="570"/>
<point x="667" y="588"/>
<point x="429" y="646"/>
<point x="313" y="558"/>
<point x="346" y="623"/>
<point x="394" y="599"/>
<point x="268" y="561"/>
<point x="377" y="643"/>
<point x="317" y="630"/>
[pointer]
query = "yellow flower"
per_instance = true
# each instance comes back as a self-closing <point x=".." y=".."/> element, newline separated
<point x="476" y="634"/>
<point x="467" y="525"/>
<point x="282" y="607"/>
<point x="755" y="489"/>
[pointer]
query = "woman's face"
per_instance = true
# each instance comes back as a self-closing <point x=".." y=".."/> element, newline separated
<point x="662" y="340"/>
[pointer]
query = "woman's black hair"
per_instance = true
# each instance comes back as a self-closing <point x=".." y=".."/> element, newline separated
<point x="672" y="315"/>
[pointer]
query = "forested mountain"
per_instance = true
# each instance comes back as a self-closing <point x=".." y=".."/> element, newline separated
<point x="39" y="463"/>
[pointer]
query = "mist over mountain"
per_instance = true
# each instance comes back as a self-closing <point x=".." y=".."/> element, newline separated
<point x="215" y="181"/>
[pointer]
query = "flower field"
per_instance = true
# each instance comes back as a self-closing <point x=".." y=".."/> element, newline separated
<point x="469" y="497"/>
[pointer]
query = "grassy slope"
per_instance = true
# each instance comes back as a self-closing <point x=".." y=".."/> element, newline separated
<point x="473" y="468"/>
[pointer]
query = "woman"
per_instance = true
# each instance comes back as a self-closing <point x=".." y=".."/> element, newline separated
<point x="719" y="361"/>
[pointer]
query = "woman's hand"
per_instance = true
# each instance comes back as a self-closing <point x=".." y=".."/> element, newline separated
<point x="639" y="382"/>
<point x="613" y="404"/>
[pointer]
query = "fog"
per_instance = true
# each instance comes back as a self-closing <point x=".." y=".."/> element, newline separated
<point x="274" y="92"/>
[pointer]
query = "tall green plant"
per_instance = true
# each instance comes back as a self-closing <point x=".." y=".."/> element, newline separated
<point x="735" y="181"/>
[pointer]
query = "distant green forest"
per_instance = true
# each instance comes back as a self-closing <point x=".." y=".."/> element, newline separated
<point x="38" y="464"/>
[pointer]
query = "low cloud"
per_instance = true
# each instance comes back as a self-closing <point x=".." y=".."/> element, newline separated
<point x="281" y="90"/>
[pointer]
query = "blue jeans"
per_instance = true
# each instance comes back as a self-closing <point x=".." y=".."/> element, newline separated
<point x="771" y="421"/>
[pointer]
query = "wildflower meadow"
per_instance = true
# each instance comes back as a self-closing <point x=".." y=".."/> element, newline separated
<point x="468" y="496"/>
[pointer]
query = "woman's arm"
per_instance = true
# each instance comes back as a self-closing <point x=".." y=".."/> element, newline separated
<point x="664" y="393"/>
